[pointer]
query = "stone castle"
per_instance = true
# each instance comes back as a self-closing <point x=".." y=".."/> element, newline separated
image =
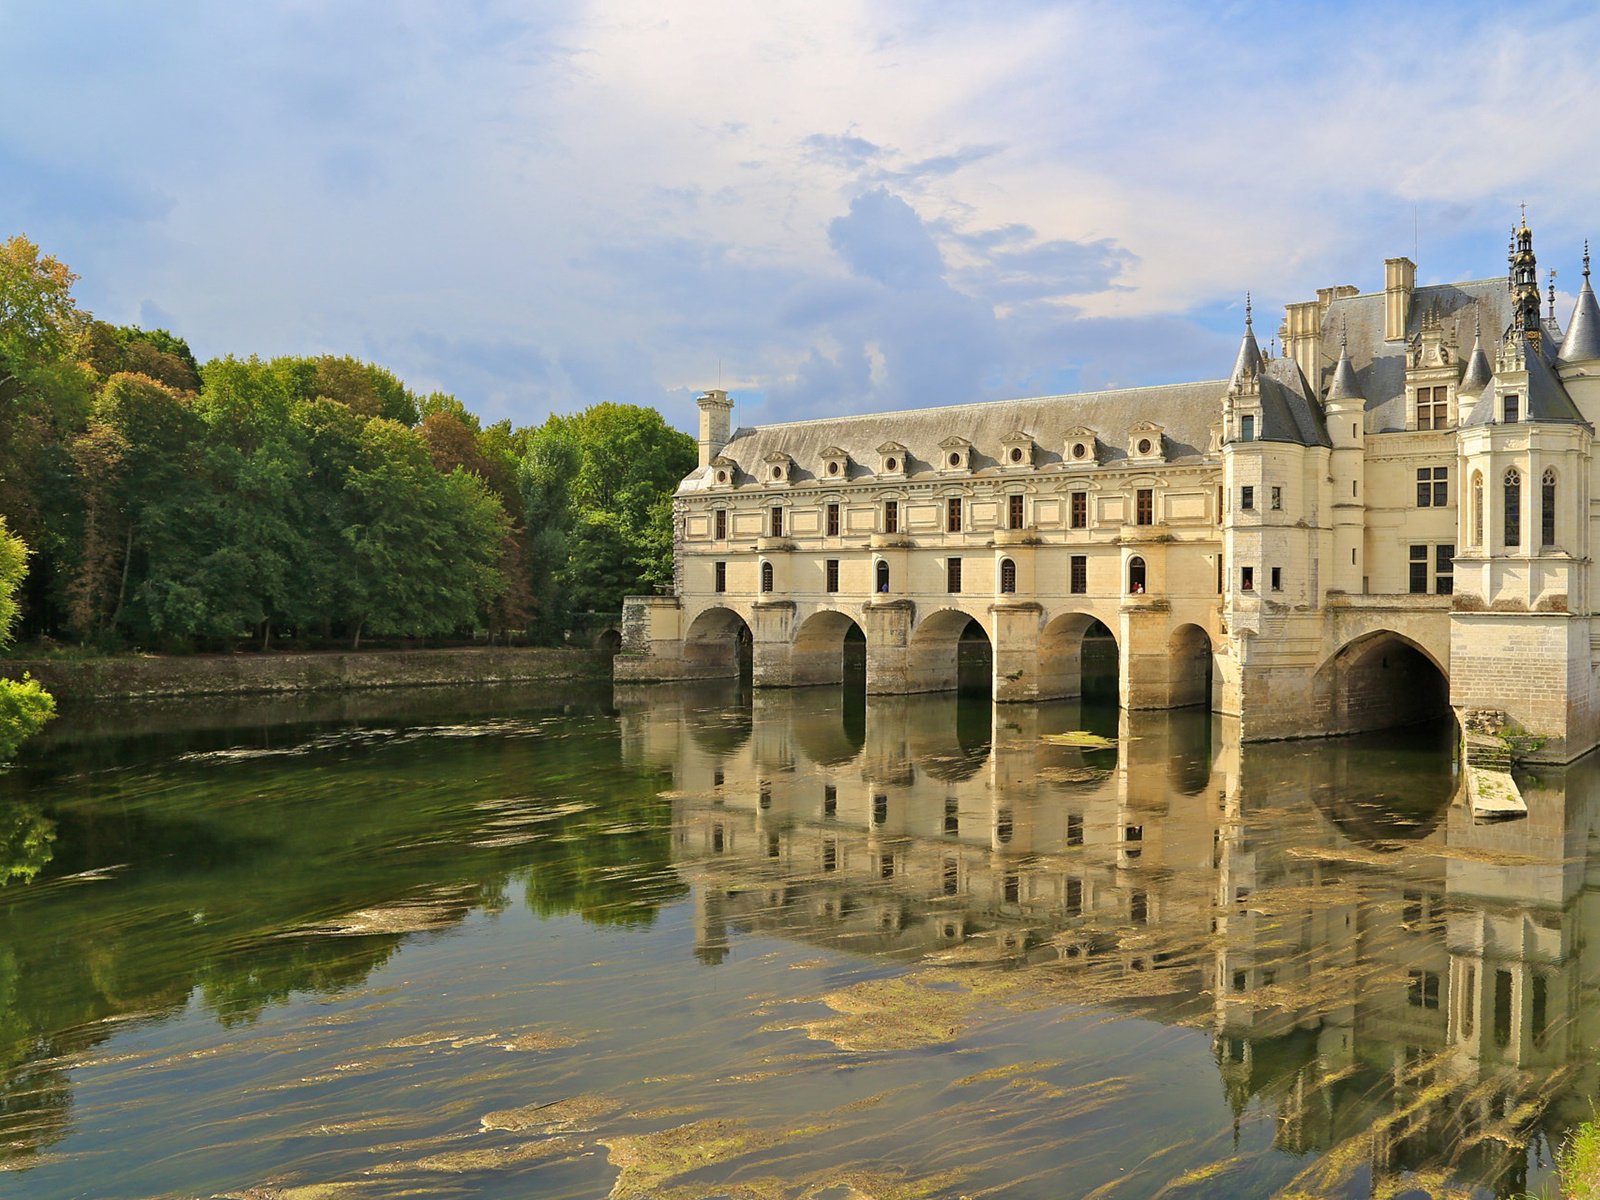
<point x="1389" y="519"/>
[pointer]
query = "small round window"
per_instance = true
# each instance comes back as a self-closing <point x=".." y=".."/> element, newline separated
<point x="777" y="472"/>
<point x="1144" y="445"/>
<point x="1016" y="454"/>
<point x="891" y="464"/>
<point x="722" y="477"/>
<point x="955" y="459"/>
<point x="1079" y="450"/>
<point x="833" y="468"/>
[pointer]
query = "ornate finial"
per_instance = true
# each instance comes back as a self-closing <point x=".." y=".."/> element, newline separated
<point x="1586" y="258"/>
<point x="1247" y="310"/>
<point x="1552" y="294"/>
<point x="1344" y="337"/>
<point x="1524" y="214"/>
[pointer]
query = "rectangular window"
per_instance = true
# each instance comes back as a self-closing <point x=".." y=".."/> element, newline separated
<point x="832" y="573"/>
<point x="952" y="817"/>
<point x="830" y="855"/>
<point x="1144" y="511"/>
<point x="1419" y="570"/>
<point x="830" y="801"/>
<point x="722" y="577"/>
<point x="1074" y="897"/>
<point x="1247" y="429"/>
<point x="952" y="575"/>
<point x="891" y="516"/>
<point x="1080" y="510"/>
<point x="833" y="520"/>
<point x="886" y="868"/>
<point x="1247" y="579"/>
<point x="952" y="876"/>
<point x="1247" y="498"/>
<point x="1079" y="583"/>
<point x="1509" y="410"/>
<point x="722" y="523"/>
<point x="1444" y="568"/>
<point x="1277" y="579"/>
<point x="1013" y="887"/>
<point x="1423" y="989"/>
<point x="1014" y="512"/>
<point x="777" y="521"/>
<point x="1433" y="408"/>
<point x="1433" y="487"/>
<point x="1277" y="498"/>
<point x="1074" y="829"/>
<point x="953" y="514"/>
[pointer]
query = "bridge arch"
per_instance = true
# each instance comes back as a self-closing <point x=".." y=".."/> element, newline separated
<point x="1062" y="651"/>
<point x="1377" y="681"/>
<point x="718" y="642"/>
<point x="1193" y="678"/>
<point x="934" y="652"/>
<point x="818" y="653"/>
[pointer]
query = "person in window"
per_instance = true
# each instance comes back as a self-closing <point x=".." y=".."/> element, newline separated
<point x="1138" y="589"/>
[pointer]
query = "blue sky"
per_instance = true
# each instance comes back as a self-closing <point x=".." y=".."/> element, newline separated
<point x="835" y="206"/>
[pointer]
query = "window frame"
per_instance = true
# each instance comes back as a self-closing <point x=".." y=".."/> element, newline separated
<point x="891" y="516"/>
<point x="1144" y="506"/>
<point x="831" y="520"/>
<point x="1078" y="510"/>
<point x="952" y="514"/>
<point x="830" y="575"/>
<point x="952" y="575"/>
<point x="1078" y="575"/>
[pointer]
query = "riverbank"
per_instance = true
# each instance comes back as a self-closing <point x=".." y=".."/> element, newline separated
<point x="130" y="677"/>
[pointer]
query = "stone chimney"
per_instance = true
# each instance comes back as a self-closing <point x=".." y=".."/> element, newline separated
<point x="716" y="417"/>
<point x="1399" y="281"/>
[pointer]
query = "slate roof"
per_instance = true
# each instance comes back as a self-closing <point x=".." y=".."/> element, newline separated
<point x="1380" y="366"/>
<point x="1582" y="342"/>
<point x="1289" y="411"/>
<point x="1185" y="411"/>
<point x="1479" y="372"/>
<point x="1542" y="398"/>
<point x="1345" y="385"/>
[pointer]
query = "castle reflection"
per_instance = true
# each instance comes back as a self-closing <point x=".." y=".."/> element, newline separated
<point x="1401" y="989"/>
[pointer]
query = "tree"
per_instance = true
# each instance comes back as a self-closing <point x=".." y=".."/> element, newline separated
<point x="38" y="318"/>
<point x="24" y="705"/>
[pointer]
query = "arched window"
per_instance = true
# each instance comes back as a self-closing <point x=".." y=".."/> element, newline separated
<point x="1008" y="575"/>
<point x="1477" y="508"/>
<point x="1547" y="509"/>
<point x="1513" y="513"/>
<point x="883" y="576"/>
<point x="1136" y="575"/>
<point x="766" y="577"/>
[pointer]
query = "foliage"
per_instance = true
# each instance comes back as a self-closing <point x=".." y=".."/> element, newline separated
<point x="24" y="705"/>
<point x="1579" y="1161"/>
<point x="172" y="505"/>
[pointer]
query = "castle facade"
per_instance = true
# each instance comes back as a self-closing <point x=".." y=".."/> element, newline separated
<point x="1389" y="518"/>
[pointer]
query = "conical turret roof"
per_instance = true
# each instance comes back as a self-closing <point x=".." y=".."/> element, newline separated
<point x="1345" y="385"/>
<point x="1582" y="342"/>
<point x="1479" y="372"/>
<point x="1249" y="360"/>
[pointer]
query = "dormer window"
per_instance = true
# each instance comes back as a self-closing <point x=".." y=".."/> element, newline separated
<point x="1079" y="447"/>
<point x="1145" y="441"/>
<point x="1510" y="409"/>
<point x="727" y="470"/>
<point x="779" y="467"/>
<point x="892" y="459"/>
<point x="957" y="454"/>
<point x="835" y="463"/>
<point x="1017" y="450"/>
<point x="1247" y="429"/>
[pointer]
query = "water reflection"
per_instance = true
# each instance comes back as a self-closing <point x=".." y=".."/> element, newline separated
<point x="1399" y="989"/>
<point x="803" y="934"/>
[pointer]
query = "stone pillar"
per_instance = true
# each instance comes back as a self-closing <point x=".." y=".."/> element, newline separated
<point x="772" y="637"/>
<point x="887" y="624"/>
<point x="1144" y="667"/>
<point x="1016" y="650"/>
<point x="652" y="640"/>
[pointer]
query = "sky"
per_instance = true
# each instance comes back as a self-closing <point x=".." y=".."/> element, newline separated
<point x="824" y="207"/>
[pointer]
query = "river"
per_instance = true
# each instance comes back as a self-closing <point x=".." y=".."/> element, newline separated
<point x="693" y="943"/>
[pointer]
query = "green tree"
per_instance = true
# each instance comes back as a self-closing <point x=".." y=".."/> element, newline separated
<point x="24" y="705"/>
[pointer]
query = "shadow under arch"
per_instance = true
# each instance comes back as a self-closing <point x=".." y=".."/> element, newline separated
<point x="1077" y="657"/>
<point x="719" y="642"/>
<point x="823" y="729"/>
<point x="1192" y="667"/>
<point x="950" y="650"/>
<point x="1380" y="680"/>
<point x="825" y="648"/>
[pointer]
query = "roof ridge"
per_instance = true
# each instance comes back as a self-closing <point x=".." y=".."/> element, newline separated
<point x="1221" y="384"/>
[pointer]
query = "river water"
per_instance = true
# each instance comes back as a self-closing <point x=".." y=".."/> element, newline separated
<point x="690" y="943"/>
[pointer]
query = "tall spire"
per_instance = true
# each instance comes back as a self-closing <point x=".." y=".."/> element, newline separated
<point x="1344" y="385"/>
<point x="1582" y="343"/>
<point x="1478" y="370"/>
<point x="1525" y="284"/>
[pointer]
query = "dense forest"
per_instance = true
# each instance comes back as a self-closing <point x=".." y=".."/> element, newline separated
<point x="173" y="505"/>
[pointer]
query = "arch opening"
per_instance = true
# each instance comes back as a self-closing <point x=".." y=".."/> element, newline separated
<point x="1078" y="657"/>
<point x="719" y="643"/>
<point x="1193" y="675"/>
<point x="950" y="651"/>
<point x="609" y="641"/>
<point x="829" y="648"/>
<point x="1379" y="681"/>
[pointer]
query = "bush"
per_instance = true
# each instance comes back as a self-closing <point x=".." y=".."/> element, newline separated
<point x="24" y="708"/>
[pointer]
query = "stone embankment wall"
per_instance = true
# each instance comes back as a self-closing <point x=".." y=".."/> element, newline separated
<point x="130" y="677"/>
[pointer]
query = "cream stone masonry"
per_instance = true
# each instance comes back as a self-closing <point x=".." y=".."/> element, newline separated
<point x="1391" y="518"/>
